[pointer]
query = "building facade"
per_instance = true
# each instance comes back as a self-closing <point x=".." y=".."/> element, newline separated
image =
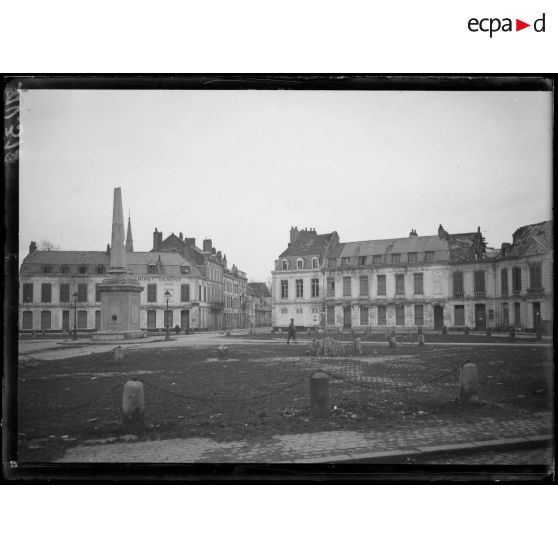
<point x="190" y="281"/>
<point x="258" y="305"/>
<point x="450" y="280"/>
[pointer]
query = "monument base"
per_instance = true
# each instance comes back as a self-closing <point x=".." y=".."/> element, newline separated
<point x="118" y="335"/>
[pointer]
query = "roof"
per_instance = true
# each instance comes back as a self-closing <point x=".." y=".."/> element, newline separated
<point x="391" y="246"/>
<point x="307" y="244"/>
<point x="259" y="290"/>
<point x="532" y="239"/>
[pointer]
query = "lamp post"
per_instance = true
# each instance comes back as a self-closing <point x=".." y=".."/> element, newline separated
<point x="167" y="297"/>
<point x="75" y="297"/>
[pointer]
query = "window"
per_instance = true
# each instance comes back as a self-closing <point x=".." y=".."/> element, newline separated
<point x="412" y="257"/>
<point x="82" y="269"/>
<point x="284" y="265"/>
<point x="184" y="293"/>
<point x="516" y="313"/>
<point x="97" y="319"/>
<point x="382" y="315"/>
<point x="97" y="293"/>
<point x="47" y="269"/>
<point x="330" y="286"/>
<point x="504" y="281"/>
<point x="299" y="310"/>
<point x="429" y="256"/>
<point x="82" y="319"/>
<point x="64" y="292"/>
<point x="27" y="292"/>
<point x="458" y="284"/>
<point x="64" y="269"/>
<point x="300" y="263"/>
<point x="199" y="293"/>
<point x="204" y="293"/>
<point x="399" y="284"/>
<point x="478" y="279"/>
<point x="100" y="269"/>
<point x="82" y="292"/>
<point x="45" y="320"/>
<point x="284" y="289"/>
<point x="27" y="320"/>
<point x="490" y="314"/>
<point x="419" y="314"/>
<point x="506" y="310"/>
<point x="362" y="260"/>
<point x="314" y="263"/>
<point x="330" y="315"/>
<point x="400" y="315"/>
<point x="151" y="269"/>
<point x="151" y="292"/>
<point x="46" y="292"/>
<point x="363" y="315"/>
<point x="315" y="310"/>
<point x="363" y="280"/>
<point x="418" y="281"/>
<point x="283" y="310"/>
<point x="535" y="276"/>
<point x="315" y="284"/>
<point x="299" y="288"/>
<point x="395" y="258"/>
<point x="346" y="286"/>
<point x="459" y="315"/>
<point x="345" y="262"/>
<point x="516" y="279"/>
<point x="381" y="285"/>
<point x="376" y="260"/>
<point x="331" y="262"/>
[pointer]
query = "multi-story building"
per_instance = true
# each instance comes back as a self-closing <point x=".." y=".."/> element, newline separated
<point x="191" y="279"/>
<point x="235" y="288"/>
<point x="258" y="305"/>
<point x="450" y="280"/>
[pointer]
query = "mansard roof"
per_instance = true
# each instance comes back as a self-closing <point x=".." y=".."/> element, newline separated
<point x="308" y="245"/>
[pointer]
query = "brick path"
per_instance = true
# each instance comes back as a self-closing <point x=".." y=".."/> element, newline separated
<point x="309" y="447"/>
<point x="538" y="456"/>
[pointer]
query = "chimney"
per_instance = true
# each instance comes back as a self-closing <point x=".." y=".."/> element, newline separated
<point x="213" y="251"/>
<point x="190" y="242"/>
<point x="413" y="233"/>
<point x="294" y="233"/>
<point x="207" y="245"/>
<point x="32" y="247"/>
<point x="157" y="240"/>
<point x="225" y="260"/>
<point x="108" y="249"/>
<point x="219" y="255"/>
<point x="442" y="233"/>
<point x="180" y="236"/>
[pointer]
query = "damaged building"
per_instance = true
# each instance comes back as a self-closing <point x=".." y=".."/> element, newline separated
<point x="448" y="279"/>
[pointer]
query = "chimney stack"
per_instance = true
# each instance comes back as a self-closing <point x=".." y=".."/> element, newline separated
<point x="157" y="240"/>
<point x="413" y="233"/>
<point x="180" y="236"/>
<point x="207" y="245"/>
<point x="32" y="247"/>
<point x="294" y="233"/>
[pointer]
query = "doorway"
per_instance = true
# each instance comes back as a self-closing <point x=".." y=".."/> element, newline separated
<point x="438" y="317"/>
<point x="65" y="320"/>
<point x="185" y="320"/>
<point x="480" y="316"/>
<point x="536" y="315"/>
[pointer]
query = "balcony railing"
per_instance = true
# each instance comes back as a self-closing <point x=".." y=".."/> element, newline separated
<point x="480" y="294"/>
<point x="536" y="292"/>
<point x="457" y="295"/>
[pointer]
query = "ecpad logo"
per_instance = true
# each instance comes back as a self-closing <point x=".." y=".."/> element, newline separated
<point x="493" y="25"/>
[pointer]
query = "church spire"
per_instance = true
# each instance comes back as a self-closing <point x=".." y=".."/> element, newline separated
<point x="129" y="239"/>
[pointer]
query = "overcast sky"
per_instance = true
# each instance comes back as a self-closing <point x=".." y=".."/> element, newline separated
<point x="241" y="167"/>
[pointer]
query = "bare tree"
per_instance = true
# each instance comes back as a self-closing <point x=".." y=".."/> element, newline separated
<point x="48" y="246"/>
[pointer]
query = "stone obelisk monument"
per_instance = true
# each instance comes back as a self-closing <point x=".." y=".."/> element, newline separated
<point x="120" y="291"/>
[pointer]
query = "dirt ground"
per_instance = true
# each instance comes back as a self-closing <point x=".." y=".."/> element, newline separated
<point x="264" y="390"/>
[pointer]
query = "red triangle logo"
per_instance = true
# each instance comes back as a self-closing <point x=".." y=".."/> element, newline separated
<point x="519" y="25"/>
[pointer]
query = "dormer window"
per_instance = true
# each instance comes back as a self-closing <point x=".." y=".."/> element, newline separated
<point x="412" y="257"/>
<point x="376" y="260"/>
<point x="429" y="256"/>
<point x="82" y="269"/>
<point x="47" y="269"/>
<point x="345" y="262"/>
<point x="300" y="263"/>
<point x="151" y="269"/>
<point x="185" y="269"/>
<point x="284" y="265"/>
<point x="395" y="258"/>
<point x="362" y="260"/>
<point x="64" y="269"/>
<point x="314" y="263"/>
<point x="100" y="269"/>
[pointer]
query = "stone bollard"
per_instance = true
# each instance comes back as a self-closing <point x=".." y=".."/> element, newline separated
<point x="512" y="333"/>
<point x="468" y="377"/>
<point x="392" y="342"/>
<point x="319" y="395"/>
<point x="357" y="345"/>
<point x="133" y="407"/>
<point x="222" y="351"/>
<point x="421" y="340"/>
<point x="118" y="355"/>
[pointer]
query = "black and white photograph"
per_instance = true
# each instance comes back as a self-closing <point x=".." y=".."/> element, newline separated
<point x="283" y="272"/>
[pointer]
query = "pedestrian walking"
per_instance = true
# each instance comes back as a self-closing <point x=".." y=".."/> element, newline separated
<point x="291" y="332"/>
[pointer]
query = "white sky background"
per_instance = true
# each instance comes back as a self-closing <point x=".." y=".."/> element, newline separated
<point x="241" y="167"/>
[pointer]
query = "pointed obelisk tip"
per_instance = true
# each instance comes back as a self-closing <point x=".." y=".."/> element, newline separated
<point x="117" y="253"/>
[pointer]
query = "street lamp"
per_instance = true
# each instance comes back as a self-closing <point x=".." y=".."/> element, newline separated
<point x="75" y="297"/>
<point x="167" y="297"/>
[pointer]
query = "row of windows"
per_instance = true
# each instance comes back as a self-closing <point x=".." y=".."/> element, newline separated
<point x="382" y="315"/>
<point x="412" y="257"/>
<point x="300" y="264"/>
<point x="67" y="269"/>
<point x="64" y="293"/>
<point x="46" y="320"/>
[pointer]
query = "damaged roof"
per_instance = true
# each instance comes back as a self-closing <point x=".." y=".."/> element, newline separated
<point x="531" y="239"/>
<point x="393" y="246"/>
<point x="308" y="245"/>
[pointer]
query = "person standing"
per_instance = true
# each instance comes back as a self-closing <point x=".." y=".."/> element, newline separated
<point x="291" y="331"/>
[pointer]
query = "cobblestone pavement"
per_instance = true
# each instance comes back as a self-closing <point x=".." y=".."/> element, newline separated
<point x="309" y="447"/>
<point x="538" y="456"/>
